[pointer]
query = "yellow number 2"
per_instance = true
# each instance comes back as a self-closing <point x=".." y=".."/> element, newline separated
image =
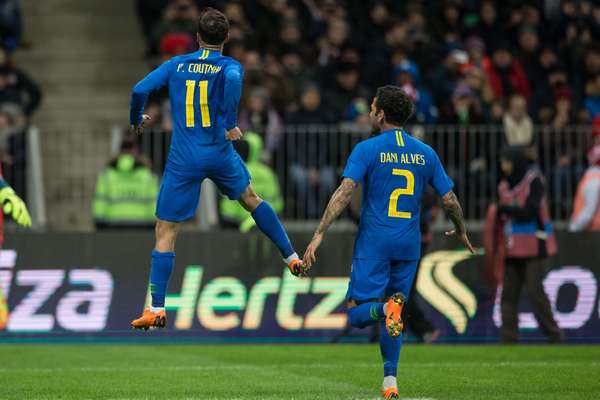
<point x="189" y="103"/>
<point x="408" y="190"/>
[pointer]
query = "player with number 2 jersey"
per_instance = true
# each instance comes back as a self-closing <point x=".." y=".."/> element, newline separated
<point x="394" y="169"/>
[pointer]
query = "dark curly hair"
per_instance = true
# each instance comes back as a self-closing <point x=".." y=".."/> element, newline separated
<point x="395" y="103"/>
<point x="213" y="26"/>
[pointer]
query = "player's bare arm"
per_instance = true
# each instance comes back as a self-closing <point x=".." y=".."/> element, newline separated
<point x="340" y="200"/>
<point x="454" y="212"/>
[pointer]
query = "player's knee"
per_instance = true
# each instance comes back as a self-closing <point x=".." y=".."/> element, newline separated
<point x="353" y="315"/>
<point x="354" y="318"/>
<point x="250" y="200"/>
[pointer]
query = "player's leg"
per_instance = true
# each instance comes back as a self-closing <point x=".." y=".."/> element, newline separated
<point x="233" y="180"/>
<point x="177" y="201"/>
<point x="368" y="281"/>
<point x="268" y="222"/>
<point x="402" y="275"/>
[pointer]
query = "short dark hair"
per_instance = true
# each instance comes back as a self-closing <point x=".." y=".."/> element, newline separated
<point x="213" y="26"/>
<point x="395" y="103"/>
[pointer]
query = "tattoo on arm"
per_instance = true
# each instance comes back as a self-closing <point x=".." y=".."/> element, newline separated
<point x="454" y="211"/>
<point x="338" y="202"/>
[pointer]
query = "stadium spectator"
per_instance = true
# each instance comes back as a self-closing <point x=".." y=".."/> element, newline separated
<point x="259" y="116"/>
<point x="592" y="100"/>
<point x="518" y="126"/>
<point x="264" y="182"/>
<point x="10" y="24"/>
<point x="488" y="28"/>
<point x="444" y="78"/>
<point x="466" y="108"/>
<point x="528" y="242"/>
<point x="126" y="191"/>
<point x="408" y="78"/>
<point x="345" y="89"/>
<point x="16" y="87"/>
<point x="506" y="74"/>
<point x="586" y="208"/>
<point x="180" y="16"/>
<point x="310" y="173"/>
<point x="311" y="110"/>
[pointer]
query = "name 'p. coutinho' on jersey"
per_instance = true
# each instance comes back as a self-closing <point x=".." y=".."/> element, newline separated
<point x="204" y="90"/>
<point x="394" y="169"/>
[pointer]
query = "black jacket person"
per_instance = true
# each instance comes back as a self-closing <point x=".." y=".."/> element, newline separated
<point x="528" y="242"/>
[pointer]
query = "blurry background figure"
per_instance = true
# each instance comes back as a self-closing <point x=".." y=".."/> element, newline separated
<point x="126" y="191"/>
<point x="586" y="208"/>
<point x="259" y="116"/>
<point x="312" y="178"/>
<point x="518" y="127"/>
<point x="506" y="74"/>
<point x="11" y="24"/>
<point x="264" y="182"/>
<point x="415" y="320"/>
<point x="529" y="241"/>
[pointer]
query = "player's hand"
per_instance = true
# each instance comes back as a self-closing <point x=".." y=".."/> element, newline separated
<point x="463" y="238"/>
<point x="14" y="206"/>
<point x="234" y="134"/>
<point x="139" y="128"/>
<point x="310" y="255"/>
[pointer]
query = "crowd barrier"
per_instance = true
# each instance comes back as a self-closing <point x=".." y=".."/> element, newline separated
<point x="309" y="160"/>
<point x="232" y="287"/>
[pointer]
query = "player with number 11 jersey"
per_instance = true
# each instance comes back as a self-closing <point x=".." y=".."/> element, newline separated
<point x="204" y="90"/>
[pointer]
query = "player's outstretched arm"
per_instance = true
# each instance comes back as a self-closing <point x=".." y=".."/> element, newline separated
<point x="337" y="203"/>
<point x="454" y="212"/>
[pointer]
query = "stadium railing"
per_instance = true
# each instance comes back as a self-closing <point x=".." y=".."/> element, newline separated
<point x="309" y="159"/>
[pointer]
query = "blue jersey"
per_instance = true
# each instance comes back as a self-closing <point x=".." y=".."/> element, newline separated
<point x="394" y="169"/>
<point x="204" y="90"/>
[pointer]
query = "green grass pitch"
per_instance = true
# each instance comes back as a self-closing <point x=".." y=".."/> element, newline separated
<point x="295" y="372"/>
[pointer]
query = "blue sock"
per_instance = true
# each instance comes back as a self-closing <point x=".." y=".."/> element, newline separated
<point x="390" y="351"/>
<point x="268" y="222"/>
<point x="160" y="272"/>
<point x="365" y="314"/>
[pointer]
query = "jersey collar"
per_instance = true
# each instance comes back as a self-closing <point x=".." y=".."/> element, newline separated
<point x="203" y="53"/>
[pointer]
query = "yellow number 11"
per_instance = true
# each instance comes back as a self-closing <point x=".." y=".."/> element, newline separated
<point x="189" y="103"/>
<point x="408" y="190"/>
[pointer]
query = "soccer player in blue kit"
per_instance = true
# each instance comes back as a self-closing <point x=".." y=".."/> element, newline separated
<point x="204" y="90"/>
<point x="394" y="169"/>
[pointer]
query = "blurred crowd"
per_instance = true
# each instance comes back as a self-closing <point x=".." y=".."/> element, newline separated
<point x="463" y="61"/>
<point x="20" y="96"/>
<point x="511" y="64"/>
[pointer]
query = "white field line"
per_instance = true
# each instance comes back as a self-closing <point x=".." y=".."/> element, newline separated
<point x="525" y="364"/>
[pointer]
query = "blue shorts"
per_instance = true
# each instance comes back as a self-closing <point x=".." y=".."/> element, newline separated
<point x="180" y="190"/>
<point x="377" y="279"/>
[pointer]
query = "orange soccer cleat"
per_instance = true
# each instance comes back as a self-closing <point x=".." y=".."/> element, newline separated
<point x="390" y="393"/>
<point x="150" y="319"/>
<point x="297" y="268"/>
<point x="393" y="315"/>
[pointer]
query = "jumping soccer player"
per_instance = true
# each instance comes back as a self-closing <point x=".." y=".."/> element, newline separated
<point x="394" y="169"/>
<point x="204" y="89"/>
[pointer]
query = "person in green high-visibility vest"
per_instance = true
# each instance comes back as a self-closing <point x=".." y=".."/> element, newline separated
<point x="126" y="192"/>
<point x="264" y="181"/>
